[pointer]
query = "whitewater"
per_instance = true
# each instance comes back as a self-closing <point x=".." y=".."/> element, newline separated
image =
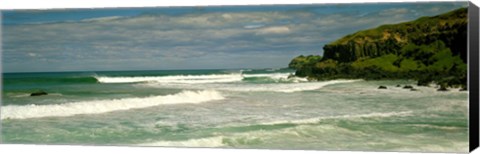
<point x="102" y="106"/>
<point x="240" y="108"/>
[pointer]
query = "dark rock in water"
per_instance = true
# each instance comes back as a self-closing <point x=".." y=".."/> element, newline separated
<point x="39" y="93"/>
<point x="442" y="88"/>
<point x="382" y="87"/>
<point x="407" y="87"/>
<point x="413" y="89"/>
<point x="423" y="82"/>
<point x="398" y="85"/>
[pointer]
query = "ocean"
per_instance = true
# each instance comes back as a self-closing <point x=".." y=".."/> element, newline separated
<point x="239" y="108"/>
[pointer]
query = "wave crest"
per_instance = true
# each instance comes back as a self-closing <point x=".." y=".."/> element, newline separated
<point x="201" y="79"/>
<point x="215" y="141"/>
<point x="104" y="106"/>
<point x="202" y="142"/>
<point x="317" y="120"/>
<point x="278" y="87"/>
<point x="189" y="79"/>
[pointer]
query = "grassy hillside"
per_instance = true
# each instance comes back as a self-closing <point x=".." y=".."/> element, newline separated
<point x="450" y="28"/>
<point x="429" y="49"/>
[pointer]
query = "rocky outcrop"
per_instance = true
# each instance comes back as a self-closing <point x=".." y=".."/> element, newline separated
<point x="39" y="93"/>
<point x="428" y="50"/>
<point x="450" y="28"/>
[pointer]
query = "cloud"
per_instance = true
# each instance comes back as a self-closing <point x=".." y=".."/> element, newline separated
<point x="191" y="40"/>
<point x="252" y="26"/>
<point x="274" y="30"/>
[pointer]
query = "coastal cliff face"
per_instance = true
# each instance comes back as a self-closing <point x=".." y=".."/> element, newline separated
<point x="450" y="28"/>
<point x="429" y="49"/>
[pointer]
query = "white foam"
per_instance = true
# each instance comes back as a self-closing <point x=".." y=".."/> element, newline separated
<point x="189" y="79"/>
<point x="288" y="88"/>
<point x="103" y="106"/>
<point x="259" y="135"/>
<point x="215" y="141"/>
<point x="436" y="127"/>
<point x="198" y="79"/>
<point x="316" y="120"/>
<point x="277" y="87"/>
<point x="202" y="142"/>
<point x="276" y="76"/>
<point x="283" y="87"/>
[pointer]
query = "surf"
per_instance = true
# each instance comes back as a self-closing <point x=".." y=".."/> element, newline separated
<point x="264" y="133"/>
<point x="104" y="106"/>
<point x="262" y="87"/>
<point x="185" y="79"/>
<point x="204" y="79"/>
<point x="350" y="117"/>
<point x="201" y="142"/>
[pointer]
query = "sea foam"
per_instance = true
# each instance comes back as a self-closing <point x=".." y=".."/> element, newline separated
<point x="188" y="79"/>
<point x="354" y="116"/>
<point x="277" y="76"/>
<point x="201" y="142"/>
<point x="103" y="106"/>
<point x="198" y="79"/>
<point x="215" y="141"/>
<point x="289" y="88"/>
<point x="257" y="136"/>
<point x="277" y="87"/>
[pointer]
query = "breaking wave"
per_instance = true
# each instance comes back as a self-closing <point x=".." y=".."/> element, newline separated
<point x="278" y="87"/>
<point x="262" y="133"/>
<point x="189" y="79"/>
<point x="316" y="120"/>
<point x="200" y="79"/>
<point x="202" y="142"/>
<point x="103" y="106"/>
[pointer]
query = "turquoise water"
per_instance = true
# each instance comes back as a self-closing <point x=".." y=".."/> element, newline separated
<point x="230" y="108"/>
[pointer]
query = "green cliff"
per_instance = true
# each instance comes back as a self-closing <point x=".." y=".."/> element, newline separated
<point x="450" y="28"/>
<point x="429" y="49"/>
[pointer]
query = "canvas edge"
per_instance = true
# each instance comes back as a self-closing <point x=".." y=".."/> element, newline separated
<point x="473" y="66"/>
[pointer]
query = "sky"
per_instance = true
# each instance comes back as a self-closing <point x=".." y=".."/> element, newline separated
<point x="166" y="38"/>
